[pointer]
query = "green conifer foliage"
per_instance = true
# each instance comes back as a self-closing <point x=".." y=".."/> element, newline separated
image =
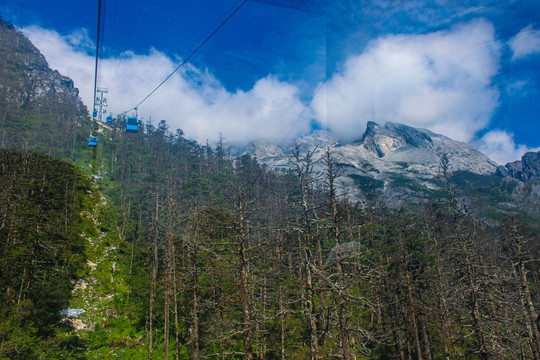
<point x="42" y="202"/>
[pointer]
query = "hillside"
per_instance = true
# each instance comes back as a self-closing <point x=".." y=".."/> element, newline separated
<point x="159" y="247"/>
<point x="39" y="108"/>
<point x="43" y="203"/>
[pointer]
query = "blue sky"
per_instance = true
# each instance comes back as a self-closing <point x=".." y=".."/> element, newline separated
<point x="279" y="68"/>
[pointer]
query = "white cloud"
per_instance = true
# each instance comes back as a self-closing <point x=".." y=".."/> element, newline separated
<point x="192" y="99"/>
<point x="526" y="42"/>
<point x="499" y="145"/>
<point x="439" y="81"/>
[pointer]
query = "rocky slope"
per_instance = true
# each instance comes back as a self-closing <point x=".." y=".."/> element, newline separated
<point x="396" y="159"/>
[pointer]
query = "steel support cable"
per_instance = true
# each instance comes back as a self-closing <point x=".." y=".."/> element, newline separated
<point x="189" y="57"/>
<point x="97" y="54"/>
<point x="94" y="121"/>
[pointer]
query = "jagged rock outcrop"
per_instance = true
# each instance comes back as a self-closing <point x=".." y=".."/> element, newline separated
<point x="527" y="169"/>
<point x="384" y="140"/>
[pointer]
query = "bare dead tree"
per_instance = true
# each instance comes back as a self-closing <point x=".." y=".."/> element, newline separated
<point x="303" y="167"/>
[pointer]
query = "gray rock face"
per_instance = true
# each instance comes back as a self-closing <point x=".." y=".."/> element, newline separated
<point x="527" y="169"/>
<point x="386" y="158"/>
<point x="27" y="81"/>
<point x="384" y="140"/>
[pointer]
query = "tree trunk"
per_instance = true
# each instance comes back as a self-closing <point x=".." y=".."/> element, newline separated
<point x="176" y="328"/>
<point x="169" y="270"/>
<point x="282" y="324"/>
<point x="412" y="315"/>
<point x="195" y="306"/>
<point x="310" y="308"/>
<point x="425" y="336"/>
<point x="244" y="293"/>
<point x="153" y="280"/>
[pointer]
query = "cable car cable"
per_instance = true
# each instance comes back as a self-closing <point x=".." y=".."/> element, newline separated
<point x="97" y="53"/>
<point x="92" y="140"/>
<point x="189" y="57"/>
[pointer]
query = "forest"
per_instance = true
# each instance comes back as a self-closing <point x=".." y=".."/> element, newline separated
<point x="43" y="206"/>
<point x="219" y="257"/>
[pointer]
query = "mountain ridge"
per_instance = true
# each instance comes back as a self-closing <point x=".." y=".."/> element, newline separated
<point x="388" y="154"/>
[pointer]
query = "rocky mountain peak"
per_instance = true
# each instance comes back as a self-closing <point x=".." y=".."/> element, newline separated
<point x="527" y="169"/>
<point x="386" y="157"/>
<point x="383" y="140"/>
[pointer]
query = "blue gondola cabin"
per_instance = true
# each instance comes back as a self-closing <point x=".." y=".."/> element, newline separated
<point x="109" y="119"/>
<point x="92" y="141"/>
<point x="132" y="124"/>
